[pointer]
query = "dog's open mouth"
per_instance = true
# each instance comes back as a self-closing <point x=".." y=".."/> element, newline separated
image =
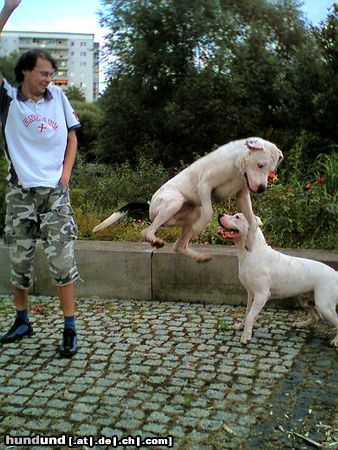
<point x="228" y="233"/>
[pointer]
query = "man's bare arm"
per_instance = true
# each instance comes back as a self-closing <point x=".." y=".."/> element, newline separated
<point x="70" y="156"/>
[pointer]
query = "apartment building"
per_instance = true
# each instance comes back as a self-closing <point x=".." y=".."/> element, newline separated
<point x="76" y="54"/>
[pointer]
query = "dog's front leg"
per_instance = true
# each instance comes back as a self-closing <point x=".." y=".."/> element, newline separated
<point x="240" y="325"/>
<point x="259" y="301"/>
<point x="244" y="204"/>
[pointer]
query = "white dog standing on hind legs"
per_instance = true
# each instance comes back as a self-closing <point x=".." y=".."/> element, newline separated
<point x="236" y="168"/>
<point x="266" y="273"/>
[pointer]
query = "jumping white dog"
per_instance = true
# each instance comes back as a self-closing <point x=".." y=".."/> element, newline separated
<point x="266" y="273"/>
<point x="239" y="167"/>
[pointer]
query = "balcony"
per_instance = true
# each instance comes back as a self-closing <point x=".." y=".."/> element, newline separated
<point x="48" y="44"/>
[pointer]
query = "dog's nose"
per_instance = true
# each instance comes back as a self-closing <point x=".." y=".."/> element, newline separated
<point x="220" y="216"/>
<point x="261" y="188"/>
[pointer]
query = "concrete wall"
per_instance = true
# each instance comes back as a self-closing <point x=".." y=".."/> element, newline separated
<point x="127" y="270"/>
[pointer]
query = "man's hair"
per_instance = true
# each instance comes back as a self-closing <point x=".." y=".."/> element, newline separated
<point x="27" y="61"/>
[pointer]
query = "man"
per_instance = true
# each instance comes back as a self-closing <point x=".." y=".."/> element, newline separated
<point x="38" y="125"/>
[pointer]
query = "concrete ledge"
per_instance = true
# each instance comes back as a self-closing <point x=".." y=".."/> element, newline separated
<point x="127" y="270"/>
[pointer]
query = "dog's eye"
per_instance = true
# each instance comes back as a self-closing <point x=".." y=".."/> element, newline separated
<point x="260" y="166"/>
<point x="237" y="216"/>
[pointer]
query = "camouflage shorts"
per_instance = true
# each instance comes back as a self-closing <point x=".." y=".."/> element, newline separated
<point x="43" y="213"/>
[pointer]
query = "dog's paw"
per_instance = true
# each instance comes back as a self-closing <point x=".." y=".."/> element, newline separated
<point x="250" y="240"/>
<point x="246" y="337"/>
<point x="238" y="326"/>
<point x="203" y="257"/>
<point x="302" y="324"/>
<point x="157" y="243"/>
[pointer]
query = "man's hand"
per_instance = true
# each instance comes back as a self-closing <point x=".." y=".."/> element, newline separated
<point x="7" y="10"/>
<point x="64" y="180"/>
<point x="10" y="5"/>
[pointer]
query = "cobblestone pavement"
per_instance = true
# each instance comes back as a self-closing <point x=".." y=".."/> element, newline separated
<point x="168" y="369"/>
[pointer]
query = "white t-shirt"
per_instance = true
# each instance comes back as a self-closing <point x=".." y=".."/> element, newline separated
<point x="36" y="135"/>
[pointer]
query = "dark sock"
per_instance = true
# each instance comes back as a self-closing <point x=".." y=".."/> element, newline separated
<point x="70" y="322"/>
<point x="22" y="315"/>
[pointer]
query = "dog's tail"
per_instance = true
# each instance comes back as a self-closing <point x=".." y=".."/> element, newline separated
<point x="136" y="210"/>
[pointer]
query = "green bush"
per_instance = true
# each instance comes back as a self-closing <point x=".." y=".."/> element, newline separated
<point x="301" y="211"/>
<point x="105" y="187"/>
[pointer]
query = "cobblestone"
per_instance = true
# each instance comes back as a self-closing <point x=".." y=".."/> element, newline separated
<point x="169" y="369"/>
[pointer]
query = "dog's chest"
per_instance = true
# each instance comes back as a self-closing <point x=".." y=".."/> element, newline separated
<point x="246" y="277"/>
<point x="228" y="188"/>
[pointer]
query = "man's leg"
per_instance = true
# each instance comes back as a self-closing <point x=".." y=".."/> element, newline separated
<point x="66" y="293"/>
<point x="19" y="237"/>
<point x="58" y="233"/>
<point x="20" y="298"/>
<point x="21" y="326"/>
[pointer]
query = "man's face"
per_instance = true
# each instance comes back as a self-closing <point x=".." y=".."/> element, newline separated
<point x="38" y="79"/>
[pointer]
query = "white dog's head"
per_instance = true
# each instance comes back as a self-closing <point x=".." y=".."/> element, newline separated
<point x="262" y="158"/>
<point x="235" y="227"/>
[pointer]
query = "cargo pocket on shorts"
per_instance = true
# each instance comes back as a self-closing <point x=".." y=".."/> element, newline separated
<point x="68" y="229"/>
<point x="9" y="230"/>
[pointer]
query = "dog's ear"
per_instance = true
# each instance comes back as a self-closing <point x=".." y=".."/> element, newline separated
<point x="259" y="222"/>
<point x="280" y="157"/>
<point x="276" y="157"/>
<point x="255" y="144"/>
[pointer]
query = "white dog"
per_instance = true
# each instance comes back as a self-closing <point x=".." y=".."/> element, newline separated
<point x="266" y="273"/>
<point x="186" y="200"/>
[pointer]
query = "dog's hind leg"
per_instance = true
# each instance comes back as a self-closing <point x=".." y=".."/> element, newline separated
<point x="149" y="233"/>
<point x="181" y="246"/>
<point x="326" y="307"/>
<point x="307" y="301"/>
<point x="163" y="209"/>
<point x="330" y="315"/>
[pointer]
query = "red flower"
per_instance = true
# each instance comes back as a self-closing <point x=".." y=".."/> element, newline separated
<point x="272" y="176"/>
<point x="307" y="186"/>
<point x="321" y="180"/>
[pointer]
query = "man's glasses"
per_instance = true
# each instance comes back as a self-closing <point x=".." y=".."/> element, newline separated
<point x="44" y="74"/>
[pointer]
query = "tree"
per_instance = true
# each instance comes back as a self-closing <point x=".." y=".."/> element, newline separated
<point x="7" y="64"/>
<point x="74" y="93"/>
<point x="185" y="76"/>
<point x="326" y="102"/>
<point x="90" y="116"/>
